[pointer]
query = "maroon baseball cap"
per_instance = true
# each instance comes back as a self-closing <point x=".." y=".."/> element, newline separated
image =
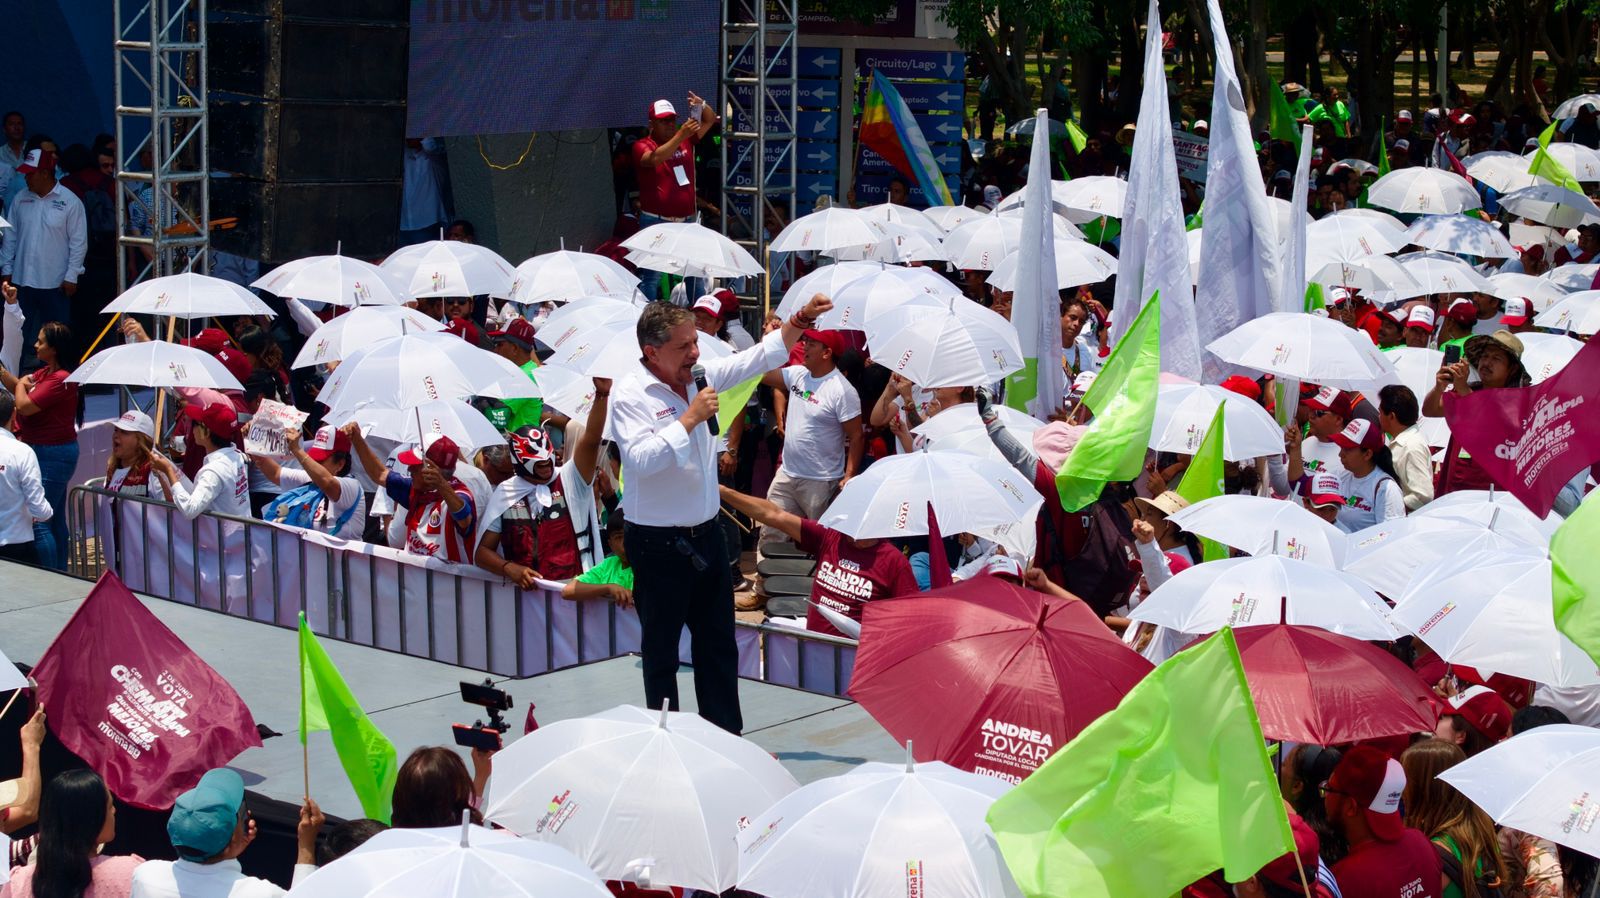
<point x="1330" y="399"/>
<point x="1484" y="710"/>
<point x="519" y="331"/>
<point x="211" y="340"/>
<point x="1360" y="434"/>
<point x="831" y="339"/>
<point x="1462" y="311"/>
<point x="464" y="329"/>
<point x="1375" y="781"/>
<point x="437" y="448"/>
<point x="329" y="441"/>
<point x="36" y="160"/>
<point x="220" y="419"/>
<point x="1242" y="385"/>
<point x="662" y="109"/>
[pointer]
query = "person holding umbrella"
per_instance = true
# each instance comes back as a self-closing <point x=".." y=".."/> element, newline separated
<point x="674" y="542"/>
<point x="1330" y="410"/>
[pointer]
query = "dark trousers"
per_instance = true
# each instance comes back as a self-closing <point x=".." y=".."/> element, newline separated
<point x="674" y="588"/>
<point x="23" y="552"/>
<point x="40" y="307"/>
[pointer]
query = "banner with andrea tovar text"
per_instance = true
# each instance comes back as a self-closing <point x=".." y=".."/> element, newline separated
<point x="513" y="66"/>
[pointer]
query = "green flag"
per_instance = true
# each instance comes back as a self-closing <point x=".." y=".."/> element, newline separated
<point x="1545" y="165"/>
<point x="1575" y="578"/>
<point x="1197" y="220"/>
<point x="1076" y="135"/>
<point x="1314" y="299"/>
<point x="731" y="402"/>
<point x="1383" y="151"/>
<point x="1167" y="787"/>
<point x="367" y="755"/>
<point x="1283" y="127"/>
<point x="1204" y="479"/>
<point x="1123" y="399"/>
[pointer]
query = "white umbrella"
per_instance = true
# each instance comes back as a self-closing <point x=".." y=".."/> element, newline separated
<point x="963" y="418"/>
<point x="899" y="244"/>
<point x="563" y="276"/>
<point x="1375" y="215"/>
<point x="452" y="862"/>
<point x="825" y="279"/>
<point x="1428" y="191"/>
<point x="1541" y="781"/>
<point x="1516" y="285"/>
<point x="361" y="327"/>
<point x="155" y="363"/>
<point x="1577" y="313"/>
<point x="1184" y="411"/>
<point x="907" y="218"/>
<point x="982" y="243"/>
<point x="449" y="417"/>
<point x="575" y="318"/>
<point x="962" y="345"/>
<point x="1342" y="238"/>
<point x="1493" y="612"/>
<point x="1416" y="368"/>
<point x="1386" y="555"/>
<point x="10" y="677"/>
<point x="1078" y="262"/>
<point x="1031" y="123"/>
<point x="865" y="298"/>
<point x="188" y="295"/>
<point x="611" y="349"/>
<point x="1503" y="170"/>
<point x="1583" y="162"/>
<point x="1544" y="355"/>
<point x="407" y="371"/>
<point x="1369" y="274"/>
<point x="1460" y="234"/>
<point x="828" y="229"/>
<point x="1570" y="108"/>
<point x="1266" y="589"/>
<point x="450" y="268"/>
<point x="878" y="830"/>
<point x="1573" y="277"/>
<point x="629" y="784"/>
<point x="948" y="218"/>
<point x="335" y="280"/>
<point x="891" y="498"/>
<point x="1508" y="513"/>
<point x="565" y="391"/>
<point x="1098" y="196"/>
<point x="1306" y="348"/>
<point x="1260" y="525"/>
<point x="1551" y="204"/>
<point x="1438" y="273"/>
<point x="695" y="248"/>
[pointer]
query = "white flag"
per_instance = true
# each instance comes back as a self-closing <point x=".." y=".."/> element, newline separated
<point x="1239" y="248"/>
<point x="1154" y="251"/>
<point x="1292" y="294"/>
<point x="1039" y="388"/>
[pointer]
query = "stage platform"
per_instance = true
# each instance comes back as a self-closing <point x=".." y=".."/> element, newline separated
<point x="414" y="701"/>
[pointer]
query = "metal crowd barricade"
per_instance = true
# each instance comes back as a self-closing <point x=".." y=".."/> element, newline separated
<point x="380" y="597"/>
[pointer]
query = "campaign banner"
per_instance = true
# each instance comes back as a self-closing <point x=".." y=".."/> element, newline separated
<point x="513" y="66"/>
<point x="1533" y="440"/>
<point x="1191" y="150"/>
<point x="125" y="694"/>
<point x="269" y="427"/>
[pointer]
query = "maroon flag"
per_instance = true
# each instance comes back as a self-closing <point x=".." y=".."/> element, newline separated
<point x="125" y="694"/>
<point x="1533" y="440"/>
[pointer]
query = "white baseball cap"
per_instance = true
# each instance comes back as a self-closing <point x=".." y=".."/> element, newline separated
<point x="1516" y="312"/>
<point x="662" y="109"/>
<point x="709" y="303"/>
<point x="1420" y="316"/>
<point x="135" y="421"/>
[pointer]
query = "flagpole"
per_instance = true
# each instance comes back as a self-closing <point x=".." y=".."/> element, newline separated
<point x="305" y="742"/>
<point x="13" y="700"/>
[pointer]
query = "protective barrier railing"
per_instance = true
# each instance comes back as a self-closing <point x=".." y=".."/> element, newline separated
<point x="380" y="597"/>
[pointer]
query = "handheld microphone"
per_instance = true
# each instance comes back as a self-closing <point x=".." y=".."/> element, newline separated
<point x="699" y="372"/>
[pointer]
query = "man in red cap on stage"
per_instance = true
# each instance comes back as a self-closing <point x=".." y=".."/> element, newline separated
<point x="664" y="162"/>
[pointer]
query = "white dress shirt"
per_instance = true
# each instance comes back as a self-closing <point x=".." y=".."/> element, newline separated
<point x="1413" y="462"/>
<point x="21" y="491"/>
<point x="11" y="321"/>
<point x="48" y="236"/>
<point x="186" y="879"/>
<point x="421" y="201"/>
<point x="671" y="475"/>
<point x="222" y="485"/>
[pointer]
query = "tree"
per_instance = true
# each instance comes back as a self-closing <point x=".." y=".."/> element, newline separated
<point x="1009" y="36"/>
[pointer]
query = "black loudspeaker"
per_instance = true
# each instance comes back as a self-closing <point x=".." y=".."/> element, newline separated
<point x="284" y="220"/>
<point x="308" y="119"/>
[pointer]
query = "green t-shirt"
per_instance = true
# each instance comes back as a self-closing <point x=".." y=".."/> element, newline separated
<point x="1339" y="115"/>
<point x="611" y="571"/>
<point x="526" y="411"/>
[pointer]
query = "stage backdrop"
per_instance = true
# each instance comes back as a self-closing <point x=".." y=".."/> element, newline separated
<point x="505" y="66"/>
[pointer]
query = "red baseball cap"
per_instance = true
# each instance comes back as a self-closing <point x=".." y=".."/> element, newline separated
<point x="662" y="109"/>
<point x="329" y="441"/>
<point x="1330" y="399"/>
<point x="1360" y="434"/>
<point x="831" y="339"/>
<point x="1284" y="872"/>
<point x="464" y="329"/>
<point x="730" y="302"/>
<point x="35" y="160"/>
<point x="1484" y="710"/>
<point x="519" y="331"/>
<point x="220" y="419"/>
<point x="1517" y="312"/>
<point x="1462" y="311"/>
<point x="710" y="303"/>
<point x="437" y="448"/>
<point x="235" y="362"/>
<point x="1326" y="490"/>
<point x="212" y="340"/>
<point x="1244" y="386"/>
<point x="1375" y="781"/>
<point x="1421" y="316"/>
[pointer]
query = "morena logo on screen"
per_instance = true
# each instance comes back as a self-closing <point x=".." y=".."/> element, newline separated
<point x="446" y="11"/>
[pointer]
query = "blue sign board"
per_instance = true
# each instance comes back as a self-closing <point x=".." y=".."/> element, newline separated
<point x="901" y="65"/>
<point x="926" y="97"/>
<point x="872" y="189"/>
<point x="810" y="124"/>
<point x="947" y="155"/>
<point x="814" y="94"/>
<point x="815" y="62"/>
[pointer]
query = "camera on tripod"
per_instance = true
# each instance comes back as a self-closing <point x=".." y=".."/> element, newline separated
<point x="486" y="736"/>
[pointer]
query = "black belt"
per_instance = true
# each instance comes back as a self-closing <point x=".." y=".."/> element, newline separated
<point x="696" y="530"/>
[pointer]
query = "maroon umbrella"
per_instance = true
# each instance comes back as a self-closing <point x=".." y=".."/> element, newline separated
<point x="989" y="676"/>
<point x="1311" y="685"/>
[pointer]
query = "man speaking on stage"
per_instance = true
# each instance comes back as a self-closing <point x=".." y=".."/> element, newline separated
<point x="663" y="419"/>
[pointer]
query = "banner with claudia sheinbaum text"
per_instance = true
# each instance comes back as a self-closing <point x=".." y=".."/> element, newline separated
<point x="513" y="66"/>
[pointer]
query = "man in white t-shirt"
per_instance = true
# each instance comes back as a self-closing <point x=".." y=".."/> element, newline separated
<point x="222" y="485"/>
<point x="1330" y="411"/>
<point x="823" y="442"/>
<point x="339" y="509"/>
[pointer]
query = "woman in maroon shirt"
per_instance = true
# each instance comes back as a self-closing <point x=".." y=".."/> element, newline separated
<point x="47" y="411"/>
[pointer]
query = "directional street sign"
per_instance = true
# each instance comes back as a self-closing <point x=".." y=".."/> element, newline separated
<point x="912" y="64"/>
<point x="927" y="97"/>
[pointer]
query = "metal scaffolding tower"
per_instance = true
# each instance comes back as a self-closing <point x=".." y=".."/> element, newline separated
<point x="162" y="172"/>
<point x="759" y="100"/>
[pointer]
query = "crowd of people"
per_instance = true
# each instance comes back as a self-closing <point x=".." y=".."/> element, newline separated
<point x="642" y="502"/>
